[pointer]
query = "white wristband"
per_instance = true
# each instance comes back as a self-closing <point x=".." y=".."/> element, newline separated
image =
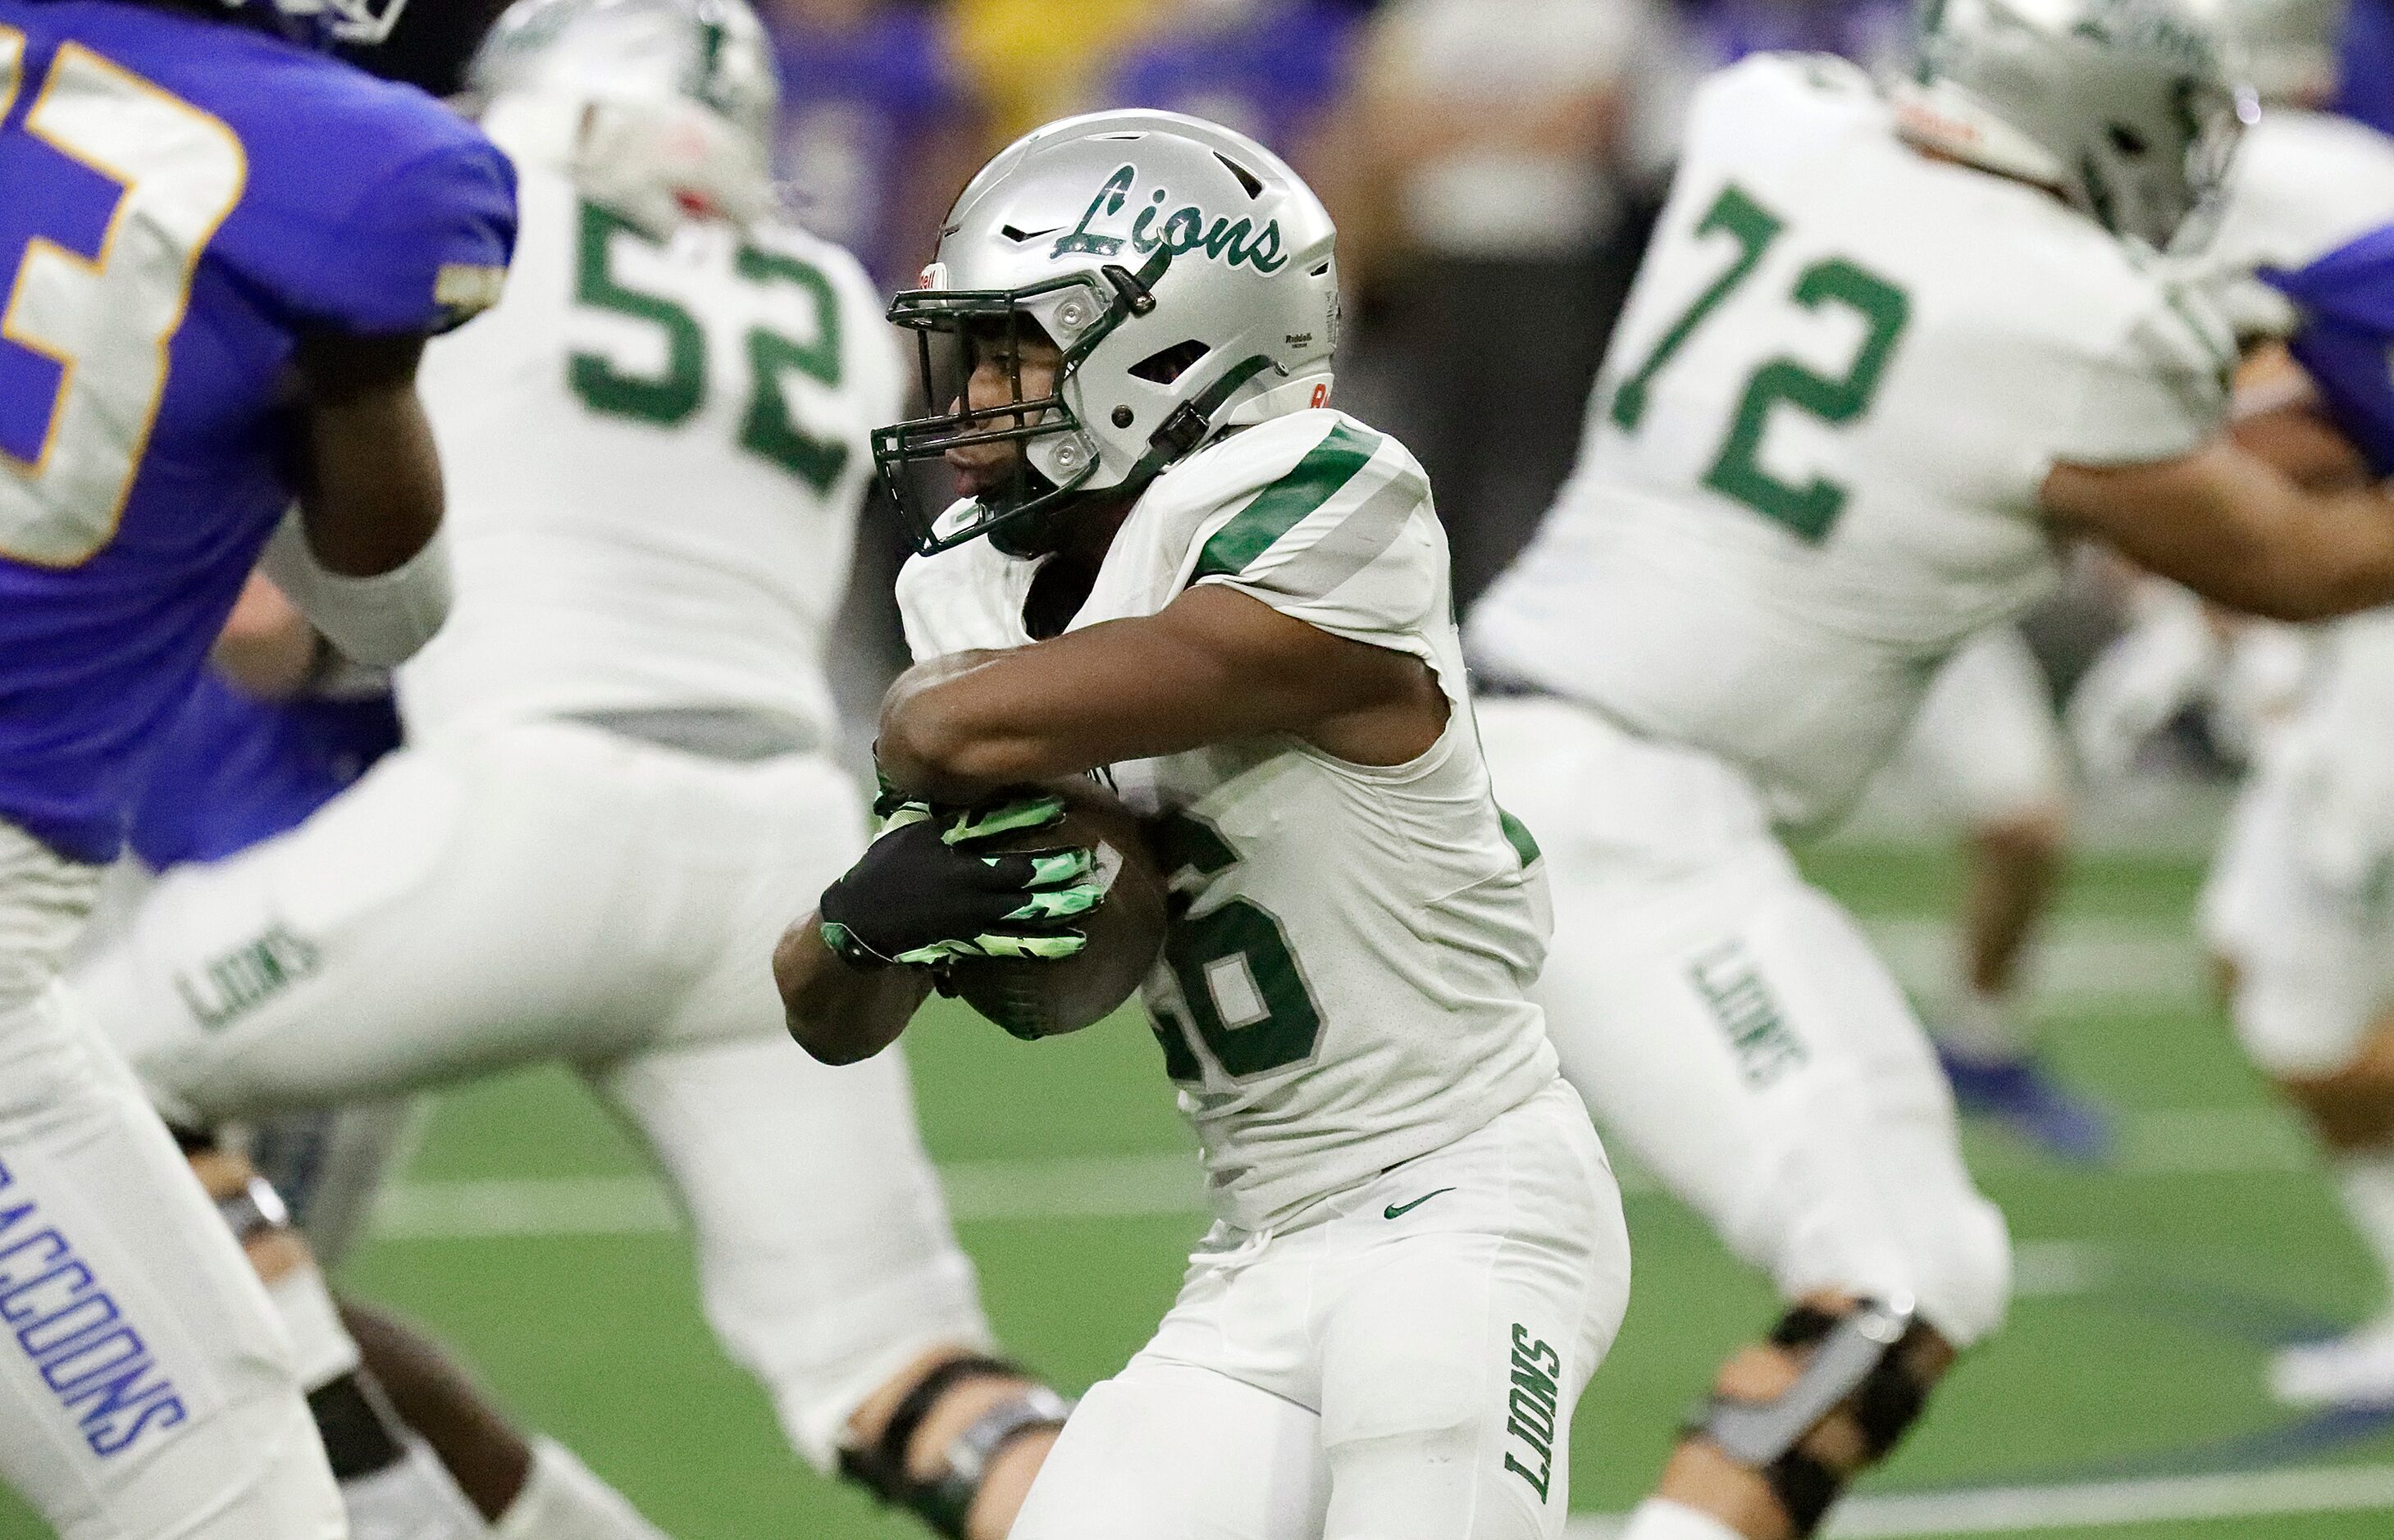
<point x="378" y="620"/>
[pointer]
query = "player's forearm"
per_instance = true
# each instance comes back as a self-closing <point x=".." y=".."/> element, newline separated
<point x="2238" y="531"/>
<point x="1214" y="667"/>
<point x="962" y="730"/>
<point x="2296" y="437"/>
<point x="370" y="481"/>
<point x="2336" y="558"/>
<point x="837" y="1013"/>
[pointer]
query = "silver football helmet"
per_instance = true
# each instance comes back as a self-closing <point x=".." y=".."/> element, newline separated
<point x="1184" y="273"/>
<point x="662" y="110"/>
<point x="2130" y="109"/>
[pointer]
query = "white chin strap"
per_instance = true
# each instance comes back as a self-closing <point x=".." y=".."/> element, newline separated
<point x="1294" y="395"/>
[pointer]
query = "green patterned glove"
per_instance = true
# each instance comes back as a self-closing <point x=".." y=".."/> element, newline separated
<point x="923" y="896"/>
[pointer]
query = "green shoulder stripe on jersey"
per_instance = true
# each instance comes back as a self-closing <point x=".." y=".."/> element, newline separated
<point x="1517" y="834"/>
<point x="1327" y="468"/>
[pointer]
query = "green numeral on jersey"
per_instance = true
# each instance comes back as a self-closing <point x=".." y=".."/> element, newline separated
<point x="769" y="430"/>
<point x="1809" y="510"/>
<point x="1234" y="955"/>
<point x="1754" y="228"/>
<point x="673" y="397"/>
<point x="667" y="400"/>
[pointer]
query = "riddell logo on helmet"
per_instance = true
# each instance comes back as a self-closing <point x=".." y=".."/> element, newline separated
<point x="1185" y="229"/>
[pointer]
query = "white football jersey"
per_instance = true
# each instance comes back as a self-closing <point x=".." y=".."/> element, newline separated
<point x="1814" y="455"/>
<point x="1344" y="981"/>
<point x="2304" y="185"/>
<point x="655" y="452"/>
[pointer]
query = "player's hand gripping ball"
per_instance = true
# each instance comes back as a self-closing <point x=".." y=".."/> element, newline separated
<point x="1044" y="914"/>
<point x="1123" y="935"/>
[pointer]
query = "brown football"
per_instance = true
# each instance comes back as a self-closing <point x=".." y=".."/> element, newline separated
<point x="1044" y="998"/>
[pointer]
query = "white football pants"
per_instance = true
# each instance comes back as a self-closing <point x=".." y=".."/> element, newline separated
<point x="552" y="891"/>
<point x="147" y="1390"/>
<point x="1730" y="1026"/>
<point x="2301" y="894"/>
<point x="1403" y="1365"/>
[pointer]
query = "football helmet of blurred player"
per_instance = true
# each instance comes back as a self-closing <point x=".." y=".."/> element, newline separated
<point x="2130" y="109"/>
<point x="661" y="110"/>
<point x="1183" y="273"/>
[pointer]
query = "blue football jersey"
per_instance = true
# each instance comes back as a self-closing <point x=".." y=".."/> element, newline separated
<point x="184" y="200"/>
<point x="232" y="769"/>
<point x="2345" y="337"/>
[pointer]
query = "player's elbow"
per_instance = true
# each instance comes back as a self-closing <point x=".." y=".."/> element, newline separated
<point x="829" y="1009"/>
<point x="824" y="1043"/>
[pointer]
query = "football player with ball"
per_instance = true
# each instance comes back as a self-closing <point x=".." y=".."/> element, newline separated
<point x="1172" y="565"/>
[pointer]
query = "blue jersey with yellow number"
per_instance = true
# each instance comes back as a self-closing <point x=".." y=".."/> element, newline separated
<point x="2345" y="337"/>
<point x="181" y="201"/>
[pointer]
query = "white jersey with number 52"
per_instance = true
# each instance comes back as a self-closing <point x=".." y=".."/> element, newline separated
<point x="1813" y="457"/>
<point x="655" y="452"/>
<point x="1344" y="981"/>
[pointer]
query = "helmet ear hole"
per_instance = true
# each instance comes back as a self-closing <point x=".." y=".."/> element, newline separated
<point x="2125" y="139"/>
<point x="1169" y="364"/>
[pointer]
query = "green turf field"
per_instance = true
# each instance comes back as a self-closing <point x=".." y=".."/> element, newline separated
<point x="2123" y="1401"/>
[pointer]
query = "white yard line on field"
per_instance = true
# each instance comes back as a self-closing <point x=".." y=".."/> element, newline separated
<point x="1089" y="1187"/>
<point x="2083" y="961"/>
<point x="2025" y="1509"/>
<point x="490" y="1207"/>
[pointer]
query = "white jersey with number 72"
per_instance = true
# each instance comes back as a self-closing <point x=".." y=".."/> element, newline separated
<point x="1813" y="457"/>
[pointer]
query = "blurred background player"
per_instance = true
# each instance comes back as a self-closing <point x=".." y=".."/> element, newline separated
<point x="277" y="728"/>
<point x="1169" y="565"/>
<point x="1989" y="753"/>
<point x="616" y="784"/>
<point x="227" y="251"/>
<point x="1985" y="753"/>
<point x="2299" y="909"/>
<point x="1885" y="346"/>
